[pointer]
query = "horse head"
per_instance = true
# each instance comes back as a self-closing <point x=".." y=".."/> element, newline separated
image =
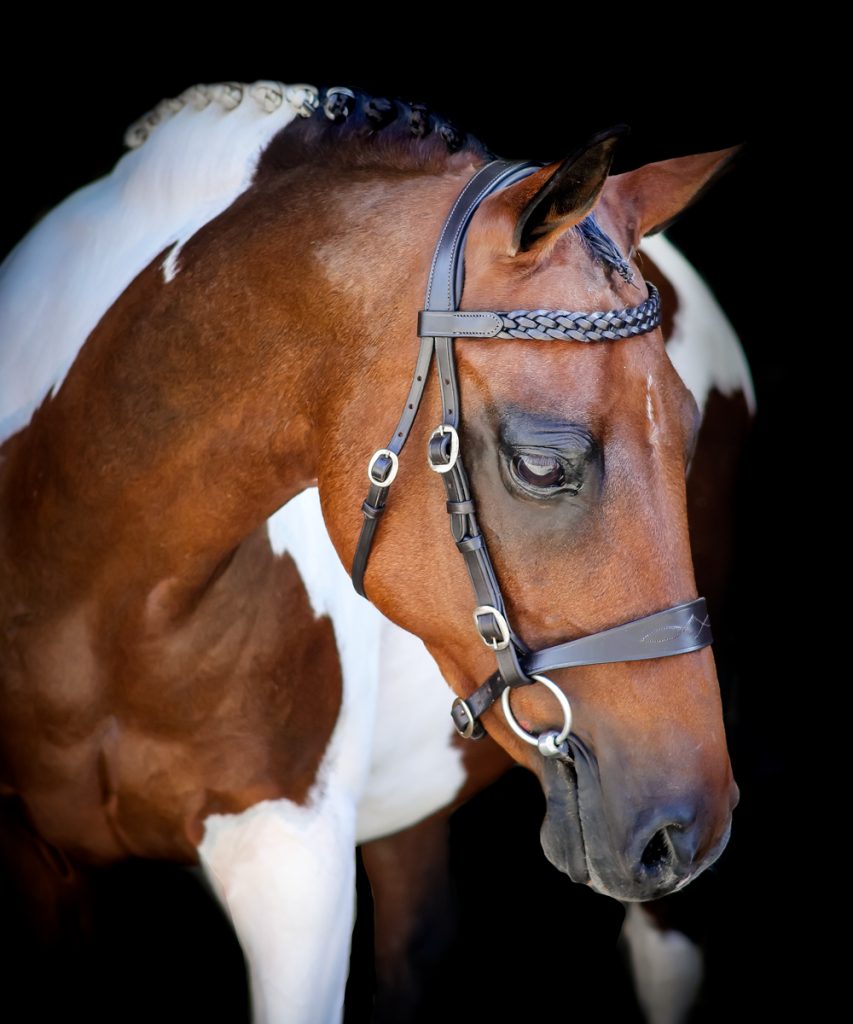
<point x="576" y="456"/>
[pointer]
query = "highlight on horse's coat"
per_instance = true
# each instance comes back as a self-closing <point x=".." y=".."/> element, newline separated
<point x="203" y="354"/>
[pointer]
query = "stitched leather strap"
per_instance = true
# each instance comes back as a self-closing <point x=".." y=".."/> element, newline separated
<point x="377" y="495"/>
<point x="677" y="630"/>
<point x="546" y="324"/>
<point x="443" y="290"/>
<point x="443" y="287"/>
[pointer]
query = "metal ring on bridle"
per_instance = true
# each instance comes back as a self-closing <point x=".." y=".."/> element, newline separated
<point x="441" y="431"/>
<point x="528" y="737"/>
<point x="395" y="465"/>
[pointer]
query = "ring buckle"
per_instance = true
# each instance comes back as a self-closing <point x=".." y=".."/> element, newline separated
<point x="443" y="431"/>
<point x="395" y="465"/>
<point x="503" y="626"/>
<point x="550" y="743"/>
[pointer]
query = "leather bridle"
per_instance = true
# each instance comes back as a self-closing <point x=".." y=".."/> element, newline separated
<point x="677" y="630"/>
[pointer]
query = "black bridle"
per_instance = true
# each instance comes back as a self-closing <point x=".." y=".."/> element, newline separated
<point x="677" y="630"/>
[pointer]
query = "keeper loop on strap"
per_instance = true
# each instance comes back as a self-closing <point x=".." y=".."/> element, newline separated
<point x="460" y="508"/>
<point x="372" y="511"/>
<point x="470" y="544"/>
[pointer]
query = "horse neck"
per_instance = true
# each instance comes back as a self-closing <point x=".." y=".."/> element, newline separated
<point x="198" y="405"/>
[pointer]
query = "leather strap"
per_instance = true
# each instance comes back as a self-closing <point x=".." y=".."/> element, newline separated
<point x="443" y="288"/>
<point x="545" y="324"/>
<point x="443" y="291"/>
<point x="374" y="504"/>
<point x="677" y="630"/>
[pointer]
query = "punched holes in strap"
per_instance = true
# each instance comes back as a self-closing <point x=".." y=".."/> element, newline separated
<point x="446" y="275"/>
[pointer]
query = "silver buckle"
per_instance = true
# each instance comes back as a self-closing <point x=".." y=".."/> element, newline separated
<point x="468" y="731"/>
<point x="395" y="465"/>
<point x="441" y="431"/>
<point x="550" y="743"/>
<point x="503" y="626"/>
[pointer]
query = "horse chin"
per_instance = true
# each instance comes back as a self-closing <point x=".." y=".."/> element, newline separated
<point x="561" y="834"/>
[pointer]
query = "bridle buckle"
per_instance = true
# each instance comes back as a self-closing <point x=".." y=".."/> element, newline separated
<point x="466" y="730"/>
<point x="392" y="473"/>
<point x="443" y="431"/>
<point x="502" y="624"/>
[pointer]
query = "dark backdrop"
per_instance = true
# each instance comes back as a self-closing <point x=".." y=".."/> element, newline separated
<point x="530" y="941"/>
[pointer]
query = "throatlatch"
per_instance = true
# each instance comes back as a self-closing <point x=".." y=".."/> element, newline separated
<point x="677" y="630"/>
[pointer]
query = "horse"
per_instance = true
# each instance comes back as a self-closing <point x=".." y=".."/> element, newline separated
<point x="215" y="342"/>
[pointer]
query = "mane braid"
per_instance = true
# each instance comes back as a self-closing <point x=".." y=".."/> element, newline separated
<point x="346" y="127"/>
<point x="350" y="128"/>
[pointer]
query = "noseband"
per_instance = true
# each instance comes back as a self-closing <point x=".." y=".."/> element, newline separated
<point x="677" y="630"/>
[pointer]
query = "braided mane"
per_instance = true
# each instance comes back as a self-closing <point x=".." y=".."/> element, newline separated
<point x="338" y="125"/>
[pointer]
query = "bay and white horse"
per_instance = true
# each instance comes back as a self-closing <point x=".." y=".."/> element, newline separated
<point x="189" y="346"/>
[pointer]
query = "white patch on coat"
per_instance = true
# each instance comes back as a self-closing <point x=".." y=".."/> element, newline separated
<point x="414" y="767"/>
<point x="62" y="277"/>
<point x="666" y="966"/>
<point x="704" y="348"/>
<point x="298" y="529"/>
<point x="286" y="875"/>
<point x="285" y="872"/>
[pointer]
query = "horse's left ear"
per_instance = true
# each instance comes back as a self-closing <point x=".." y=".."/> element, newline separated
<point x="650" y="198"/>
<point x="548" y="202"/>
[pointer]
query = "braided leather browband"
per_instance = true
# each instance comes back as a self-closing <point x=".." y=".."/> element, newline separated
<point x="676" y="630"/>
<point x="545" y="324"/>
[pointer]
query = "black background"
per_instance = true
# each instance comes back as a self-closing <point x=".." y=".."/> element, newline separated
<point x="530" y="942"/>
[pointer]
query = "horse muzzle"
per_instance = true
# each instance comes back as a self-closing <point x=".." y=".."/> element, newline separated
<point x="628" y="847"/>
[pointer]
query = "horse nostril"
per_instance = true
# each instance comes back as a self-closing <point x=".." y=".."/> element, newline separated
<point x="658" y="852"/>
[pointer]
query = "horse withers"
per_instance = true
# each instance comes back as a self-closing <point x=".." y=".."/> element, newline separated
<point x="234" y="309"/>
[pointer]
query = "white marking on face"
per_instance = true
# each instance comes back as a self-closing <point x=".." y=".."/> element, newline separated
<point x="63" y="276"/>
<point x="704" y="348"/>
<point x="170" y="263"/>
<point x="650" y="410"/>
<point x="666" y="966"/>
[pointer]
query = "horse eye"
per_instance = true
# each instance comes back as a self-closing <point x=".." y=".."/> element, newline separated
<point x="539" y="470"/>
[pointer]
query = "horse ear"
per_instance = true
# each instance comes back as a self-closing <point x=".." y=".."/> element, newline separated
<point x="549" y="202"/>
<point x="650" y="198"/>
